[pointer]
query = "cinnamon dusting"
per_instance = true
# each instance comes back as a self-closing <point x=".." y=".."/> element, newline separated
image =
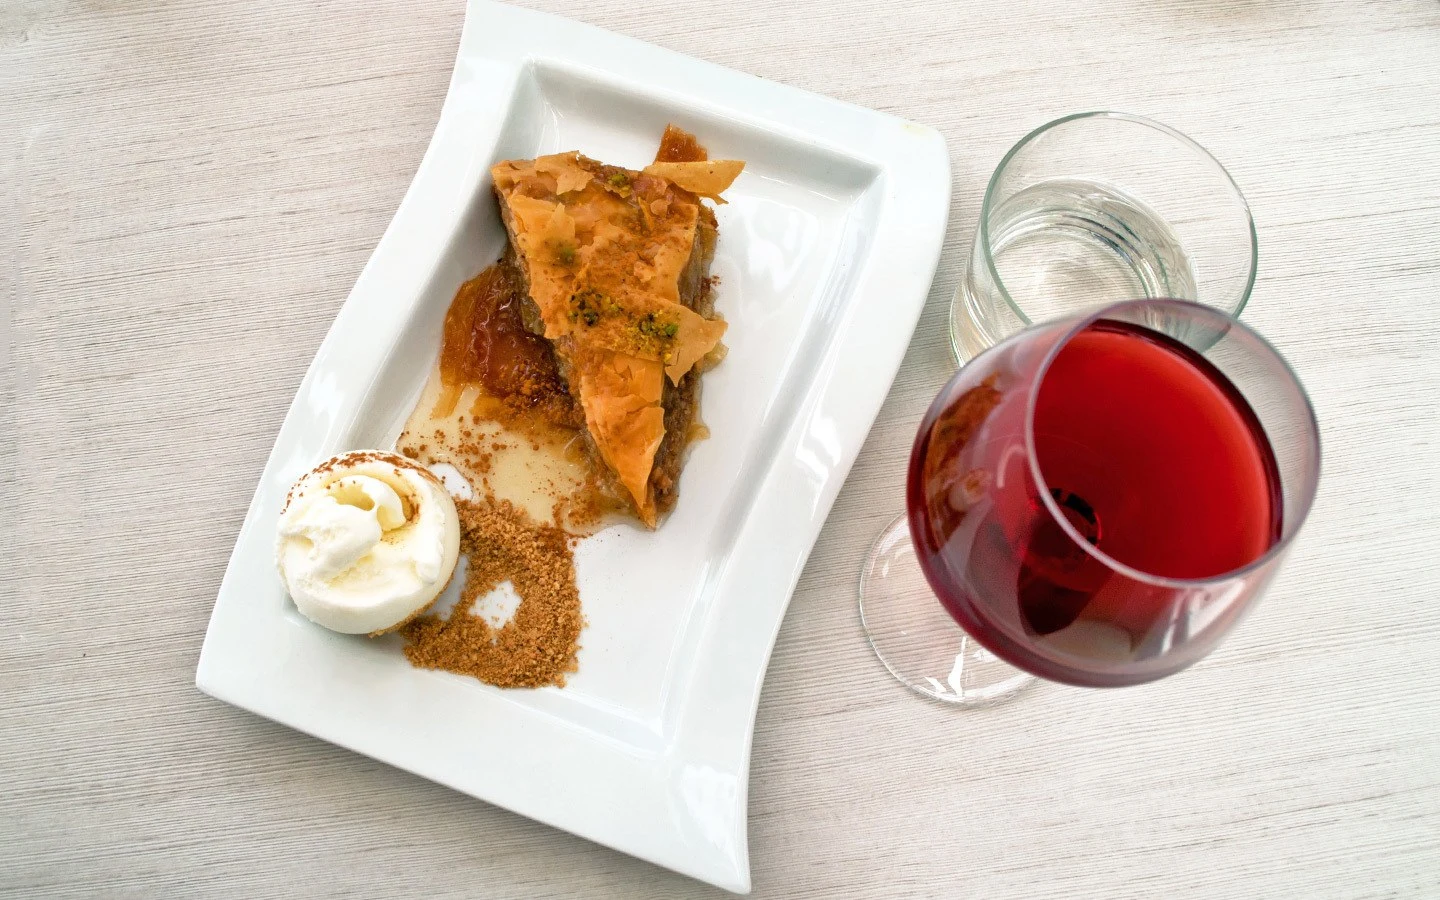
<point x="538" y="646"/>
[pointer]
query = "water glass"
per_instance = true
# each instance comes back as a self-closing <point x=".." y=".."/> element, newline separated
<point x="1097" y="208"/>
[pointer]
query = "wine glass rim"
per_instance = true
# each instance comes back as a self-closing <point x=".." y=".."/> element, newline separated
<point x="1289" y="530"/>
<point x="987" y="204"/>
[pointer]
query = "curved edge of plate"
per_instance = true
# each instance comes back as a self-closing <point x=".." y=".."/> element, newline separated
<point x="797" y="496"/>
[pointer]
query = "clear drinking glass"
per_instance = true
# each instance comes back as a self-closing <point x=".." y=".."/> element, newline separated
<point x="1096" y="208"/>
<point x="1096" y="500"/>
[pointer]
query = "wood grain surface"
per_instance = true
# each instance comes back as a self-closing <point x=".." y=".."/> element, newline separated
<point x="190" y="188"/>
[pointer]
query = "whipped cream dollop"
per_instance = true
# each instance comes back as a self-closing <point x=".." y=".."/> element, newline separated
<point x="366" y="541"/>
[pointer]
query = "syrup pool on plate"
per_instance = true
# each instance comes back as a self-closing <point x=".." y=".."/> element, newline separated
<point x="495" y="408"/>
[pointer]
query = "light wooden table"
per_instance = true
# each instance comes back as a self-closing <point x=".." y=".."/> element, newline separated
<point x="190" y="188"/>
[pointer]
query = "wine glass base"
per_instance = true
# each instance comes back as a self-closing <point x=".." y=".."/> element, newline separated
<point x="915" y="637"/>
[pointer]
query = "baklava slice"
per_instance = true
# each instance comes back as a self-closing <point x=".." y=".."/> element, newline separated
<point x="615" y="265"/>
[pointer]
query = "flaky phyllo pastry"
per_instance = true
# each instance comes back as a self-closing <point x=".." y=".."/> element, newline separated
<point x="616" y="266"/>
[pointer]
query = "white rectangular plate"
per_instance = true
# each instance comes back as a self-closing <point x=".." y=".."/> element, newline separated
<point x="826" y="253"/>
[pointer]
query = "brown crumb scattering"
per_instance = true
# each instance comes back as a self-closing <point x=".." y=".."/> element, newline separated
<point x="538" y="646"/>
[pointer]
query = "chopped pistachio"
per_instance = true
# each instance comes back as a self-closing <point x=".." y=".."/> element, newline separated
<point x="586" y="306"/>
<point x="620" y="182"/>
<point x="653" y="328"/>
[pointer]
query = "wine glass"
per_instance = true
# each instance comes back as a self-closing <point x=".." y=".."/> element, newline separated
<point x="1095" y="500"/>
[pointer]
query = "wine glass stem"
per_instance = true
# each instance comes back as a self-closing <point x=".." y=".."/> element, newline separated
<point x="915" y="637"/>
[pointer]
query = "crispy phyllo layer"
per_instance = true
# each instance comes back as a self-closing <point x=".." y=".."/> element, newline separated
<point x="615" y="263"/>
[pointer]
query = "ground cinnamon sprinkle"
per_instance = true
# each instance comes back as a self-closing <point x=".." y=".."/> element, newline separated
<point x="537" y="647"/>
